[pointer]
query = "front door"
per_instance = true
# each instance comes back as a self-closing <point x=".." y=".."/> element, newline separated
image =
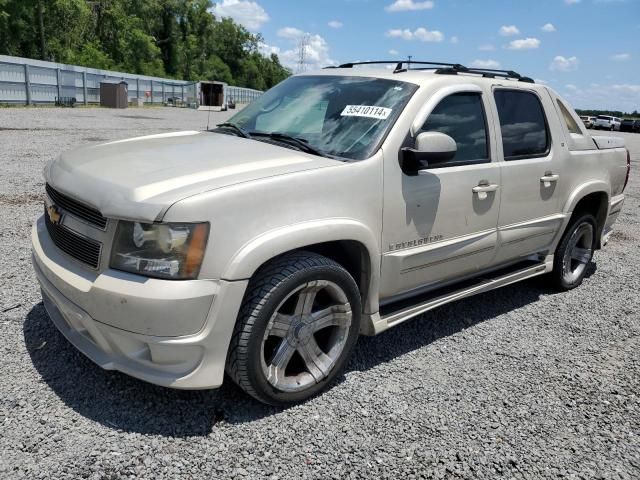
<point x="441" y="225"/>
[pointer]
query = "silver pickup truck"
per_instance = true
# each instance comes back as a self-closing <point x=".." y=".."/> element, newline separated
<point x="341" y="202"/>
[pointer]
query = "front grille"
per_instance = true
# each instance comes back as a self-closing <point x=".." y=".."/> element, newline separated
<point x="81" y="248"/>
<point x="88" y="214"/>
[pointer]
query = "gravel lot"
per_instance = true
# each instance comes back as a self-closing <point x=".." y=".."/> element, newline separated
<point x="521" y="382"/>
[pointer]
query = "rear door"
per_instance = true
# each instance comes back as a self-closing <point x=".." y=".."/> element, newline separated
<point x="530" y="211"/>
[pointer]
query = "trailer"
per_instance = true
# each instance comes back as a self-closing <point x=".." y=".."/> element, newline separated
<point x="218" y="96"/>
<point x="211" y="95"/>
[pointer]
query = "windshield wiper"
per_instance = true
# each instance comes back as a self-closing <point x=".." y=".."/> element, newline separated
<point x="301" y="143"/>
<point x="236" y="128"/>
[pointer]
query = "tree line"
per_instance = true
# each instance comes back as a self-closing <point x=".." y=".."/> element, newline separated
<point x="178" y="39"/>
<point x="611" y="113"/>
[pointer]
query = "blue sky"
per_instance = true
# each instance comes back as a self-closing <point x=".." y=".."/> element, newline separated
<point x="587" y="50"/>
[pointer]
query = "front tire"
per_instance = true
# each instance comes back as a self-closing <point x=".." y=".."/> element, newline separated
<point x="297" y="326"/>
<point x="574" y="253"/>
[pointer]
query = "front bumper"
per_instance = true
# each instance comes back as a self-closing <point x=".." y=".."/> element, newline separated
<point x="169" y="333"/>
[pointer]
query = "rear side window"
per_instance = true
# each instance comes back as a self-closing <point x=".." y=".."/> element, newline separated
<point x="523" y="124"/>
<point x="571" y="124"/>
<point x="461" y="116"/>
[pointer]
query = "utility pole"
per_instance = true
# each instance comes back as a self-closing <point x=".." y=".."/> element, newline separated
<point x="303" y="44"/>
<point x="409" y="64"/>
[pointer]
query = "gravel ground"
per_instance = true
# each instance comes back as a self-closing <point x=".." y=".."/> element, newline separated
<point x="521" y="382"/>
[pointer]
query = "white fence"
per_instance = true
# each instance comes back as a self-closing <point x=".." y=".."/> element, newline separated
<point x="240" y="94"/>
<point x="28" y="82"/>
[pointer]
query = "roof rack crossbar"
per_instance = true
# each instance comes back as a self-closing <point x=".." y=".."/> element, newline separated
<point x="442" y="68"/>
<point x="508" y="73"/>
<point x="400" y="64"/>
<point x="412" y="62"/>
<point x="491" y="73"/>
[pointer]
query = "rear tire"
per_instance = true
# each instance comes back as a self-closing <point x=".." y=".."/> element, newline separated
<point x="297" y="326"/>
<point x="574" y="253"/>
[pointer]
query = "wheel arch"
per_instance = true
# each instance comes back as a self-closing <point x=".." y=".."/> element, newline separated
<point x="345" y="241"/>
<point x="352" y="255"/>
<point x="591" y="198"/>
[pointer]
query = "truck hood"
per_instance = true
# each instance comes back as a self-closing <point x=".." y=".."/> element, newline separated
<point x="140" y="178"/>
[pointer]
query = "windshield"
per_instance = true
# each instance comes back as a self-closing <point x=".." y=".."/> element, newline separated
<point x="340" y="116"/>
<point x="604" y="117"/>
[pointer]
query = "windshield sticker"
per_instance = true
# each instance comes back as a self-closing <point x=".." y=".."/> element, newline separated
<point x="379" y="113"/>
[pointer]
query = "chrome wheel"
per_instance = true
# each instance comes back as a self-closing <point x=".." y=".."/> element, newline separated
<point x="578" y="253"/>
<point x="306" y="336"/>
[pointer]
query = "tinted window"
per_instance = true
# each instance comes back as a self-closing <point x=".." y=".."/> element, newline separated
<point x="461" y="116"/>
<point x="523" y="124"/>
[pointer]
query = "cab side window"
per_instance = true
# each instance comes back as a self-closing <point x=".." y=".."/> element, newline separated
<point x="571" y="124"/>
<point x="462" y="117"/>
<point x="524" y="126"/>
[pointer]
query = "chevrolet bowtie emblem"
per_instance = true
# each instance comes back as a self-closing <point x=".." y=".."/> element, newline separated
<point x="54" y="215"/>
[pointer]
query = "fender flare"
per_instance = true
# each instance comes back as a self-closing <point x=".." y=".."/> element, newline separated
<point x="268" y="245"/>
<point x="594" y="186"/>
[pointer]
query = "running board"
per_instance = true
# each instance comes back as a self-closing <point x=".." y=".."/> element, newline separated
<point x="436" y="299"/>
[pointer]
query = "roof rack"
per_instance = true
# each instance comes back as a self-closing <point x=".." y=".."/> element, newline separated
<point x="442" y="68"/>
<point x="400" y="64"/>
<point x="492" y="73"/>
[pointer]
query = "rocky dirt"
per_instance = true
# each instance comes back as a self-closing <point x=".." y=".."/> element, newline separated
<point x="518" y="383"/>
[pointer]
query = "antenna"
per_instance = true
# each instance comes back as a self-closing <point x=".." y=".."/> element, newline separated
<point x="208" y="115"/>
<point x="303" y="44"/>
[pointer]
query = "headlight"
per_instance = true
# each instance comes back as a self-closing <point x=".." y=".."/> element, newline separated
<point x="165" y="250"/>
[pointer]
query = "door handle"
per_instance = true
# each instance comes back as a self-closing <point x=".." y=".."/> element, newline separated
<point x="549" y="177"/>
<point x="483" y="188"/>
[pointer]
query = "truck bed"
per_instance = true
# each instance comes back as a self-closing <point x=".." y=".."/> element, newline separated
<point x="604" y="142"/>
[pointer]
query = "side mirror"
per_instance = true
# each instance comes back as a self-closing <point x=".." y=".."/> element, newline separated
<point x="431" y="148"/>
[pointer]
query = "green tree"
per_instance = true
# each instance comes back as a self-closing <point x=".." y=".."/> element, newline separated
<point x="177" y="38"/>
<point x="215" y="69"/>
<point x="17" y="28"/>
<point x="232" y="43"/>
<point x="92" y="55"/>
<point x="67" y="25"/>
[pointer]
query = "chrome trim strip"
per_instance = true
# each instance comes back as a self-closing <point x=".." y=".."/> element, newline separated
<point x="448" y="259"/>
<point x="524" y="239"/>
